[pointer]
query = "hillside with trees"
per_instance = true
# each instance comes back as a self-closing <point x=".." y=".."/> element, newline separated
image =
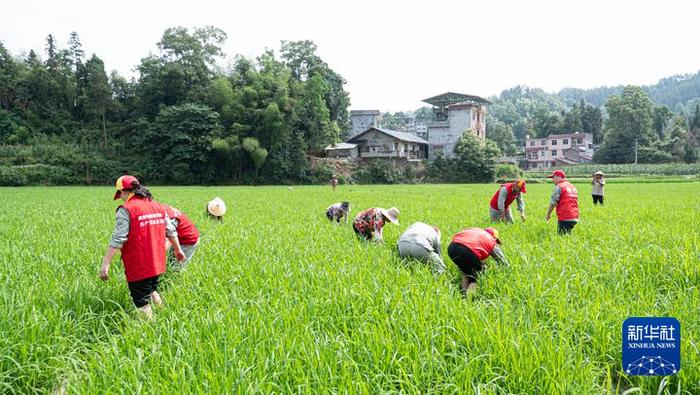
<point x="186" y="120"/>
<point x="65" y="120"/>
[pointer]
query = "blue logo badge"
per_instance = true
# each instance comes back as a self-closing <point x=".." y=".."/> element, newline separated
<point x="651" y="346"/>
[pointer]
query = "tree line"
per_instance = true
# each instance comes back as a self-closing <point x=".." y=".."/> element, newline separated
<point x="184" y="119"/>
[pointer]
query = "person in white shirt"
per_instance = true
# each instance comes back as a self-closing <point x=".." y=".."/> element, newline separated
<point x="598" y="186"/>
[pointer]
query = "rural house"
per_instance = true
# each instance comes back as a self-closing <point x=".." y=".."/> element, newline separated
<point x="383" y="143"/>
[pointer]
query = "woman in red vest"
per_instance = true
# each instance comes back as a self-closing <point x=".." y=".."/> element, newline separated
<point x="187" y="234"/>
<point x="470" y="248"/>
<point x="565" y="199"/>
<point x="504" y="196"/>
<point x="141" y="227"/>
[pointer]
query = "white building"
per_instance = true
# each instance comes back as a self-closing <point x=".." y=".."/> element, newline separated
<point x="558" y="149"/>
<point x="361" y="120"/>
<point x="455" y="114"/>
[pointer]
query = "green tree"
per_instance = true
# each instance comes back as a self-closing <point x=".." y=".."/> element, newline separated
<point x="314" y="116"/>
<point x="52" y="61"/>
<point x="629" y="126"/>
<point x="299" y="167"/>
<point x="180" y="143"/>
<point x="572" y="120"/>
<point x="424" y="114"/>
<point x="304" y="63"/>
<point x="592" y="121"/>
<point x="661" y="117"/>
<point x="76" y="55"/>
<point x="183" y="69"/>
<point x="476" y="159"/>
<point x="502" y="135"/>
<point x="257" y="154"/>
<point x="123" y="94"/>
<point x="692" y="143"/>
<point x="9" y="77"/>
<point x="545" y="122"/>
<point x="98" y="93"/>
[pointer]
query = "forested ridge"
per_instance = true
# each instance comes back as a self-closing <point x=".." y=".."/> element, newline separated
<point x="185" y="119"/>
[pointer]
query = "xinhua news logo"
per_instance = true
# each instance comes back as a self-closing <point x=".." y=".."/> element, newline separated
<point x="651" y="346"/>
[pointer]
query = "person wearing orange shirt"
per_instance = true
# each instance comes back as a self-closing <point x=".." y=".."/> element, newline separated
<point x="470" y="248"/>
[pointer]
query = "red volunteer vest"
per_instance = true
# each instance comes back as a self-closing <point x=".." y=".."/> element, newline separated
<point x="143" y="253"/>
<point x="187" y="233"/>
<point x="509" y="199"/>
<point x="478" y="240"/>
<point x="567" y="208"/>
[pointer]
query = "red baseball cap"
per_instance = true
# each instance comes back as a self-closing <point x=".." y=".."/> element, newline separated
<point x="124" y="182"/>
<point x="557" y="173"/>
<point x="493" y="232"/>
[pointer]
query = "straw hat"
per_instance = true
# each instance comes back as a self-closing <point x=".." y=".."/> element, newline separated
<point x="216" y="207"/>
<point x="598" y="173"/>
<point x="391" y="214"/>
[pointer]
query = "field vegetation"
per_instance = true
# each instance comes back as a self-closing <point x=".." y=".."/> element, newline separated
<point x="278" y="300"/>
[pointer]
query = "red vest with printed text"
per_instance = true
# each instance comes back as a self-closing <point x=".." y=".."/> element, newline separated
<point x="143" y="253"/>
<point x="478" y="240"/>
<point x="509" y="199"/>
<point x="567" y="208"/>
<point x="187" y="233"/>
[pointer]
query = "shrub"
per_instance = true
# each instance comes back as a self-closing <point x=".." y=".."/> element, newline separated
<point x="508" y="172"/>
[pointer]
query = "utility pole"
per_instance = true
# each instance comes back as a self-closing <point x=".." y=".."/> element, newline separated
<point x="635" y="151"/>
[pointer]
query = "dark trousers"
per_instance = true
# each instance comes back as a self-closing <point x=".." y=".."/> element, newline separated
<point x="465" y="259"/>
<point x="597" y="198"/>
<point x="565" y="227"/>
<point x="141" y="290"/>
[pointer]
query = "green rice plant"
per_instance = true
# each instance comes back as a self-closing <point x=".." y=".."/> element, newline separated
<point x="279" y="300"/>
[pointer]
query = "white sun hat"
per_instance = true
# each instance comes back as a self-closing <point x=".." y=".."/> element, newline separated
<point x="392" y="214"/>
<point x="216" y="207"/>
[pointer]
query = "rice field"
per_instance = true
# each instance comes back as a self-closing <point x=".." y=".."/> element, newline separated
<point x="278" y="300"/>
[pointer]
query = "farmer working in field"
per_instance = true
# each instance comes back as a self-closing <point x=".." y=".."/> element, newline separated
<point x="422" y="242"/>
<point x="187" y="235"/>
<point x="470" y="248"/>
<point x="565" y="199"/>
<point x="216" y="208"/>
<point x="369" y="223"/>
<point x="140" y="231"/>
<point x="598" y="186"/>
<point x="334" y="182"/>
<point x="338" y="211"/>
<point x="504" y="196"/>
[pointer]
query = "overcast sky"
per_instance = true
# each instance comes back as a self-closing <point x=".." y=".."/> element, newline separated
<point x="393" y="54"/>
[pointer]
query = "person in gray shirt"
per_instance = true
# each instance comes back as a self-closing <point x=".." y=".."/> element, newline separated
<point x="422" y="242"/>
